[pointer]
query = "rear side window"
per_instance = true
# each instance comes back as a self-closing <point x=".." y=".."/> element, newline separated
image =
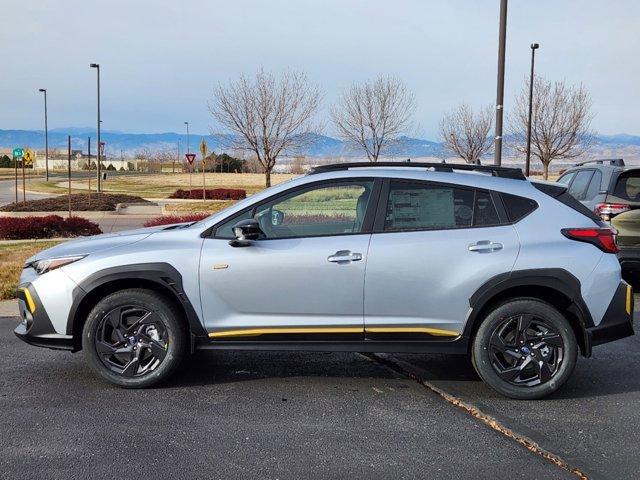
<point x="517" y="207"/>
<point x="579" y="185"/>
<point x="628" y="186"/>
<point x="424" y="206"/>
<point x="594" y="186"/>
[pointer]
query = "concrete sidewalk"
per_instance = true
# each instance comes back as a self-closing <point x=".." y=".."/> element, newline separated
<point x="8" y="308"/>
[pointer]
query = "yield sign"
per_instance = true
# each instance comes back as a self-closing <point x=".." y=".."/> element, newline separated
<point x="190" y="157"/>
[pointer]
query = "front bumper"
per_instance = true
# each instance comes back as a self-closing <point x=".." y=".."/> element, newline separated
<point x="617" y="321"/>
<point x="36" y="328"/>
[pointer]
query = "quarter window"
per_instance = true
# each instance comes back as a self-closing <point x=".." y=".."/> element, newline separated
<point x="594" y="186"/>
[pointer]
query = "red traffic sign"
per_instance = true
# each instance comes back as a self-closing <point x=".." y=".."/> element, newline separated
<point x="190" y="157"/>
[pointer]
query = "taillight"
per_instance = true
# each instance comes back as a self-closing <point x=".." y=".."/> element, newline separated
<point x="603" y="238"/>
<point x="606" y="211"/>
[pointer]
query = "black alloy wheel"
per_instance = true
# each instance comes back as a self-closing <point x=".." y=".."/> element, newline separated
<point x="135" y="338"/>
<point x="526" y="350"/>
<point x="131" y="341"/>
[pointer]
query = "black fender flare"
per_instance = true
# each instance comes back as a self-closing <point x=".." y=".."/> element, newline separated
<point x="556" y="279"/>
<point x="164" y="275"/>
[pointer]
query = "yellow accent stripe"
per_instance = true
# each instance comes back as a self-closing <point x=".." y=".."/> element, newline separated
<point x="629" y="299"/>
<point x="30" y="303"/>
<point x="253" y="332"/>
<point x="431" y="331"/>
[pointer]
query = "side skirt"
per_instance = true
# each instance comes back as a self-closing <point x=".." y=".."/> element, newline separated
<point x="457" y="346"/>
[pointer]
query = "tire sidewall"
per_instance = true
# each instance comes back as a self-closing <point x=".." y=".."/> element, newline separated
<point x="148" y="300"/>
<point x="481" y="356"/>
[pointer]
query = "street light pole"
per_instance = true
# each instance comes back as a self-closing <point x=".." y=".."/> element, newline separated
<point x="97" y="67"/>
<point x="534" y="47"/>
<point x="187" y="124"/>
<point x="46" y="137"/>
<point x="497" y="159"/>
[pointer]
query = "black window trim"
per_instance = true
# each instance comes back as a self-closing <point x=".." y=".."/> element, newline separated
<point x="367" y="224"/>
<point x="378" y="226"/>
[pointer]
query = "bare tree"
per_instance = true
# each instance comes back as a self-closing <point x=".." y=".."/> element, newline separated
<point x="466" y="133"/>
<point x="267" y="116"/>
<point x="373" y="115"/>
<point x="560" y="126"/>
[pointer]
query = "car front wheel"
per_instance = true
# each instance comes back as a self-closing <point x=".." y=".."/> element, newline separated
<point x="525" y="349"/>
<point x="134" y="338"/>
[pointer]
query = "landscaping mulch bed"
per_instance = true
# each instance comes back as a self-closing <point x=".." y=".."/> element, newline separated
<point x="80" y="202"/>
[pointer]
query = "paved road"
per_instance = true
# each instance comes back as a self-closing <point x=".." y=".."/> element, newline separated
<point x="292" y="415"/>
<point x="8" y="192"/>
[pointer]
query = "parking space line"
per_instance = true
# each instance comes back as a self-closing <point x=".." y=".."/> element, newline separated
<point x="488" y="420"/>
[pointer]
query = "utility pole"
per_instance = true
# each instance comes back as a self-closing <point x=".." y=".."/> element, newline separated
<point x="502" y="40"/>
<point x="534" y="47"/>
<point x="97" y="67"/>
<point x="69" y="170"/>
<point x="46" y="137"/>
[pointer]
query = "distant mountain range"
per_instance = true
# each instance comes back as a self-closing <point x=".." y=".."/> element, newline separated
<point x="623" y="145"/>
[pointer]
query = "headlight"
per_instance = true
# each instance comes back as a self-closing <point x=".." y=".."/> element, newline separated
<point x="48" y="264"/>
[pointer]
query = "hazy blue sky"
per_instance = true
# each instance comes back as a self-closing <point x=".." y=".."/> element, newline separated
<point x="160" y="59"/>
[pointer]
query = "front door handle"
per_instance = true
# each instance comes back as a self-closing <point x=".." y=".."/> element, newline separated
<point x="485" y="246"/>
<point x="344" y="256"/>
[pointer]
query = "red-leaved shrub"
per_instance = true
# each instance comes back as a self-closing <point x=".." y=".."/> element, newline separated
<point x="171" y="219"/>
<point x="211" y="194"/>
<point x="46" y="227"/>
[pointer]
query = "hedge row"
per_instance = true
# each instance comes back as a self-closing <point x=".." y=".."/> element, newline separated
<point x="211" y="194"/>
<point x="46" y="227"/>
<point x="171" y="219"/>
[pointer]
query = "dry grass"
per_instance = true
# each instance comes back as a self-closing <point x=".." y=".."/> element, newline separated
<point x="212" y="206"/>
<point x="164" y="184"/>
<point x="12" y="258"/>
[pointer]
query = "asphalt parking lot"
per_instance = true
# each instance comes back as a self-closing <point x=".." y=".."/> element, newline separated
<point x="292" y="415"/>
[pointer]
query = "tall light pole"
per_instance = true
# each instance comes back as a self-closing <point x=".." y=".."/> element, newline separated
<point x="502" y="46"/>
<point x="46" y="137"/>
<point x="534" y="47"/>
<point x="97" y="67"/>
<point x="187" y="124"/>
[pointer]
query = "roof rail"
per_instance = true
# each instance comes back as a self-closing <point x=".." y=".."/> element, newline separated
<point x="616" y="162"/>
<point x="503" y="172"/>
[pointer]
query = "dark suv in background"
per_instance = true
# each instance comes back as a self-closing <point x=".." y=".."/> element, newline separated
<point x="612" y="191"/>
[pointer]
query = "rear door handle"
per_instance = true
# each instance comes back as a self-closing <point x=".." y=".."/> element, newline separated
<point x="485" y="246"/>
<point x="344" y="256"/>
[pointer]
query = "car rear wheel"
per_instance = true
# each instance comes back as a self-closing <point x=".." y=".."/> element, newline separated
<point x="134" y="338"/>
<point x="525" y="349"/>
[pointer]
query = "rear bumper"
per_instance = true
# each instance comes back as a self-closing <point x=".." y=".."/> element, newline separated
<point x="629" y="258"/>
<point x="617" y="321"/>
<point x="36" y="328"/>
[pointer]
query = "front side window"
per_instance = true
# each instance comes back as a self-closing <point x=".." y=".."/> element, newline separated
<point x="335" y="209"/>
<point x="420" y="206"/>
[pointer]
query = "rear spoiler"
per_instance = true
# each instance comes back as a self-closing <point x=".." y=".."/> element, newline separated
<point x="552" y="189"/>
<point x="559" y="192"/>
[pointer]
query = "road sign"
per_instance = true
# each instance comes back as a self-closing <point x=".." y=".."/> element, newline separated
<point x="18" y="153"/>
<point x="28" y="157"/>
<point x="190" y="157"/>
<point x="102" y="149"/>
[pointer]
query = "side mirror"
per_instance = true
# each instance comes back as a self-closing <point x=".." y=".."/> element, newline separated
<point x="245" y="231"/>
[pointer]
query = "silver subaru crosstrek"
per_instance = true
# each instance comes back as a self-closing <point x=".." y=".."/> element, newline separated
<point x="387" y="257"/>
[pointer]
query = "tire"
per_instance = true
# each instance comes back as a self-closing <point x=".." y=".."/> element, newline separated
<point x="134" y="338"/>
<point x="529" y="366"/>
